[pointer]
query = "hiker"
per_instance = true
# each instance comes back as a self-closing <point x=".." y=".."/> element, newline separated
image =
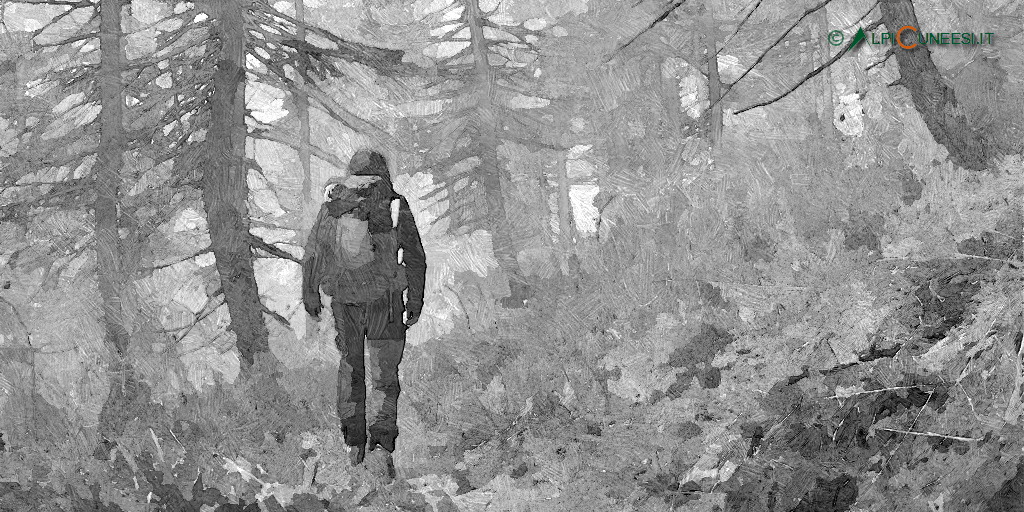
<point x="365" y="252"/>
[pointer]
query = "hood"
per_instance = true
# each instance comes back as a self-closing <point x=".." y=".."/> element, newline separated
<point x="370" y="163"/>
<point x="364" y="163"/>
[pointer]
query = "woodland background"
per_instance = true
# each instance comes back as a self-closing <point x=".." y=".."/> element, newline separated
<point x="642" y="293"/>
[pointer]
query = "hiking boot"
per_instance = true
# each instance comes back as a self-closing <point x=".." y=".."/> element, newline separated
<point x="385" y="442"/>
<point x="356" y="454"/>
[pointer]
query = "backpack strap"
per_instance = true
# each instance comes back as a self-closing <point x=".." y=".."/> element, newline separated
<point x="396" y="205"/>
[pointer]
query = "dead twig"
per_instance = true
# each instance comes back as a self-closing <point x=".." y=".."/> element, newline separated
<point x="150" y="270"/>
<point x="275" y="315"/>
<point x="931" y="434"/>
<point x="897" y="388"/>
<point x="764" y="54"/>
<point x="258" y="243"/>
<point x="813" y="73"/>
<point x="199" y="318"/>
<point x="738" y="28"/>
<point x="293" y="144"/>
<point x="672" y="8"/>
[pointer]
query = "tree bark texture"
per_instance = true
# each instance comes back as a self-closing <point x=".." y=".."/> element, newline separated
<point x="933" y="97"/>
<point x="225" y="189"/>
<point x="714" y="80"/>
<point x="826" y="114"/>
<point x="302" y="112"/>
<point x="669" y="89"/>
<point x="128" y="397"/>
<point x="310" y="206"/>
<point x="490" y="168"/>
<point x="109" y="161"/>
<point x="565" y="225"/>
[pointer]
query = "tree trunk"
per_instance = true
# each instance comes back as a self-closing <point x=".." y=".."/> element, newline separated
<point x="225" y="189"/>
<point x="669" y="89"/>
<point x="490" y="168"/>
<point x="302" y="112"/>
<point x="109" y="161"/>
<point x="714" y="81"/>
<point x="309" y="206"/>
<point x="934" y="99"/>
<point x="826" y="114"/>
<point x="566" y="240"/>
<point x="128" y="397"/>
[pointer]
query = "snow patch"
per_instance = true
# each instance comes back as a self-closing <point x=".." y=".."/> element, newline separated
<point x="849" y="115"/>
<point x="521" y="101"/>
<point x="583" y="210"/>
<point x="287" y="8"/>
<point x="535" y="23"/>
<point x="188" y="220"/>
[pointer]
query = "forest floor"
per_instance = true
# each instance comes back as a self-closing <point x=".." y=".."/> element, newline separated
<point x="820" y="379"/>
<point x="649" y="412"/>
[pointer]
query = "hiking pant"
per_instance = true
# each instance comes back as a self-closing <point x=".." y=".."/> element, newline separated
<point x="381" y="325"/>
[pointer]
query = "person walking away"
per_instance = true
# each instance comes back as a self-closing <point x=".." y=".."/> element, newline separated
<point x="365" y="252"/>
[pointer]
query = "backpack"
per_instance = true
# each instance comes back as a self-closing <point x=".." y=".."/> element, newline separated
<point x="366" y="265"/>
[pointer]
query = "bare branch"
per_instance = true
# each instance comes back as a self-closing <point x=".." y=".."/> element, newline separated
<point x="739" y="27"/>
<point x="870" y="392"/>
<point x="165" y="54"/>
<point x="729" y="87"/>
<point x="73" y="39"/>
<point x="381" y="59"/>
<point x="275" y="315"/>
<point x="888" y="53"/>
<point x="468" y="50"/>
<point x="815" y="72"/>
<point x="56" y="19"/>
<point x="150" y="270"/>
<point x="872" y="26"/>
<point x="57" y="196"/>
<point x="293" y="144"/>
<point x="258" y="243"/>
<point x="450" y="36"/>
<point x="66" y="3"/>
<point x="672" y="8"/>
<point x="333" y="109"/>
<point x="931" y="434"/>
<point x="764" y="54"/>
<point x="199" y="318"/>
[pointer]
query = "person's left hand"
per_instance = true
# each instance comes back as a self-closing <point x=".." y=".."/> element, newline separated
<point x="411" y="318"/>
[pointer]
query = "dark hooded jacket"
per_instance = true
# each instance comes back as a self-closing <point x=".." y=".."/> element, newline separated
<point x="386" y="272"/>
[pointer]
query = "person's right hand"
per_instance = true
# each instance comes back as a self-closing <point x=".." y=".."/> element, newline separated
<point x="313" y="305"/>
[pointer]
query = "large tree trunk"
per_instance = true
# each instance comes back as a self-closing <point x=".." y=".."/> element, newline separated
<point x="109" y="160"/>
<point x="826" y="112"/>
<point x="302" y="112"/>
<point x="934" y="99"/>
<point x="309" y="207"/>
<point x="714" y="81"/>
<point x="128" y="397"/>
<point x="225" y="190"/>
<point x="566" y="232"/>
<point x="490" y="168"/>
<point x="669" y="91"/>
